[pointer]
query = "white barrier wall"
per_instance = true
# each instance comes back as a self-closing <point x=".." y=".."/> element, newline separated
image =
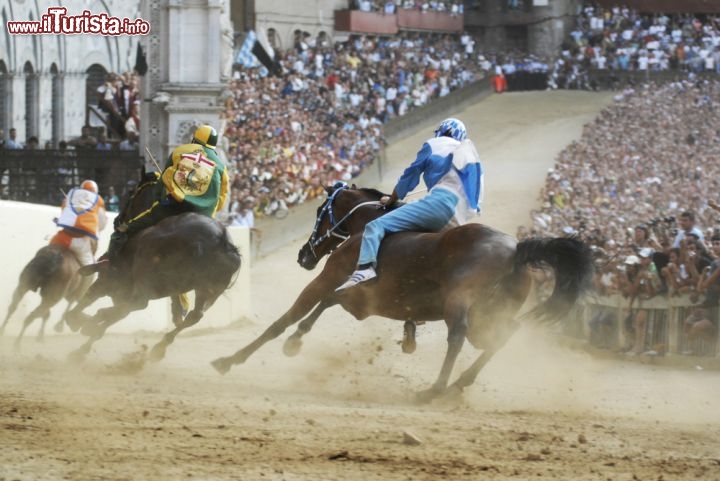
<point x="28" y="227"/>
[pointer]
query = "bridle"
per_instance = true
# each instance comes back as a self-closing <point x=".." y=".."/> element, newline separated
<point x="335" y="229"/>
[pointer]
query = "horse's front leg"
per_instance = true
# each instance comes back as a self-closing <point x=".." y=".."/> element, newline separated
<point x="294" y="342"/>
<point x="315" y="292"/>
<point x="104" y="318"/>
<point x="456" y="319"/>
<point x="75" y="318"/>
<point x="203" y="301"/>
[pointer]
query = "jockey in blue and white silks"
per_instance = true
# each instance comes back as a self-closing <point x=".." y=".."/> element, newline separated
<point x="453" y="174"/>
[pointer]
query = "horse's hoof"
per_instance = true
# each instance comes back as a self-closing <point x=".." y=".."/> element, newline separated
<point x="427" y="395"/>
<point x="59" y="327"/>
<point x="157" y="353"/>
<point x="76" y="321"/>
<point x="409" y="347"/>
<point x="77" y="356"/>
<point x="90" y="329"/>
<point x="221" y="365"/>
<point x="292" y="347"/>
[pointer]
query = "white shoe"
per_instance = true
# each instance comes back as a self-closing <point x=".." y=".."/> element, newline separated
<point x="357" y="277"/>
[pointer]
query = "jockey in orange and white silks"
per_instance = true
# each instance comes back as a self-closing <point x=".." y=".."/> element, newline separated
<point x="82" y="217"/>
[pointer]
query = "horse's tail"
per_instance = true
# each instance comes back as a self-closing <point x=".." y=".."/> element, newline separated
<point x="231" y="258"/>
<point x="41" y="268"/>
<point x="572" y="262"/>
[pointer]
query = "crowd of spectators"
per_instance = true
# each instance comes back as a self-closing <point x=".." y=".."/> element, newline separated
<point x="639" y="188"/>
<point x="119" y="101"/>
<point x="321" y="121"/>
<point x="620" y="38"/>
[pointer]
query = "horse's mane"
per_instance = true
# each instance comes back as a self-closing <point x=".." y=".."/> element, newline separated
<point x="377" y="194"/>
<point x="371" y="191"/>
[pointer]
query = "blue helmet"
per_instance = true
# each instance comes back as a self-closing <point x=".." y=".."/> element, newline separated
<point x="452" y="128"/>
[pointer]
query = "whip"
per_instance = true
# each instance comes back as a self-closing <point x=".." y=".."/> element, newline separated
<point x="152" y="157"/>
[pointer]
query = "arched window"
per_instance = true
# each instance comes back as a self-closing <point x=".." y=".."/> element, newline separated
<point x="274" y="39"/>
<point x="55" y="105"/>
<point x="3" y="99"/>
<point x="96" y="74"/>
<point x="31" y="101"/>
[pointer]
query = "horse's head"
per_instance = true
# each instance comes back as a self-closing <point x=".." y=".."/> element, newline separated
<point x="338" y="217"/>
<point x="141" y="197"/>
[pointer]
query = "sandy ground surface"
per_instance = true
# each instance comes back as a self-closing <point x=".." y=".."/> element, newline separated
<point x="343" y="408"/>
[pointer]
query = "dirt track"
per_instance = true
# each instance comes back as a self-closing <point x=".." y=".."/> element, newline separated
<point x="339" y="410"/>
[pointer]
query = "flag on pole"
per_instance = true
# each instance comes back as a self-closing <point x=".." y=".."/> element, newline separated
<point x="245" y="56"/>
<point x="141" y="65"/>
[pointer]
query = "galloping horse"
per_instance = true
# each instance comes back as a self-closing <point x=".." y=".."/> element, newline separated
<point x="352" y="222"/>
<point x="53" y="271"/>
<point x="473" y="277"/>
<point x="182" y="253"/>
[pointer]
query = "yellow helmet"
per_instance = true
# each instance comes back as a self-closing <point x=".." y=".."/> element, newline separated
<point x="89" y="185"/>
<point x="205" y="135"/>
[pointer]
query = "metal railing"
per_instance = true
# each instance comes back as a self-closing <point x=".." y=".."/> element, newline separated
<point x="42" y="176"/>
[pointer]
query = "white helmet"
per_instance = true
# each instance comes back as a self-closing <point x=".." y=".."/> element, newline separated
<point x="452" y="127"/>
<point x="90" y="185"/>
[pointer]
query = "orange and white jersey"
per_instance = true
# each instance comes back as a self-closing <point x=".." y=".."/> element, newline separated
<point x="83" y="213"/>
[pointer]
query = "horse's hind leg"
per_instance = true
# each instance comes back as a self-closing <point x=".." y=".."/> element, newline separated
<point x="492" y="335"/>
<point x="177" y="309"/>
<point x="294" y="342"/>
<point x="203" y="301"/>
<point x="309" y="297"/>
<point x="17" y="296"/>
<point x="40" y="311"/>
<point x="41" y="333"/>
<point x="408" y="343"/>
<point x="456" y="319"/>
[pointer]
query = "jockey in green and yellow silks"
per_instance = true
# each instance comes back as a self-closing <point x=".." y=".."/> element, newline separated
<point x="194" y="180"/>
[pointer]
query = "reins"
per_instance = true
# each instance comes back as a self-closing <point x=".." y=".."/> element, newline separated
<point x="334" y="230"/>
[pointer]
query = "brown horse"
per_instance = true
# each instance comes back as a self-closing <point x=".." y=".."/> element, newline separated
<point x="182" y="253"/>
<point x="53" y="271"/>
<point x="352" y="222"/>
<point x="472" y="277"/>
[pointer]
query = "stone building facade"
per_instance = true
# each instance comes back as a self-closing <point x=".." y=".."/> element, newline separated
<point x="280" y="19"/>
<point x="537" y="26"/>
<point x="45" y="80"/>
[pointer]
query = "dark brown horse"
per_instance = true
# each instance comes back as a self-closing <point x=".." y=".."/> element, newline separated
<point x="472" y="277"/>
<point x="182" y="253"/>
<point x="53" y="273"/>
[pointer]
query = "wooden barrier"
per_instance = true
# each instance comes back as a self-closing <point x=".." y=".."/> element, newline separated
<point x="606" y="322"/>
